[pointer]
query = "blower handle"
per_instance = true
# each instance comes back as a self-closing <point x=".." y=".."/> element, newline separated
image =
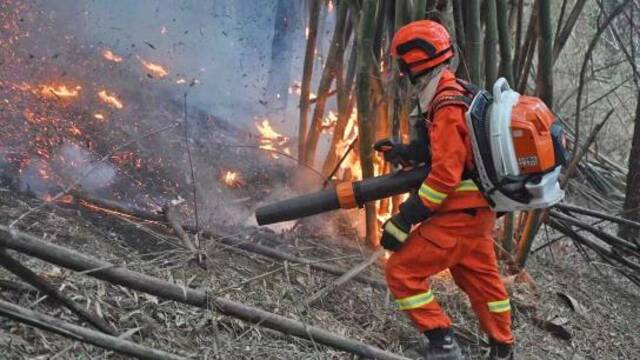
<point x="501" y="86"/>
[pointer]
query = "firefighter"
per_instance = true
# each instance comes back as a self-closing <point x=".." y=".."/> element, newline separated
<point x="451" y="219"/>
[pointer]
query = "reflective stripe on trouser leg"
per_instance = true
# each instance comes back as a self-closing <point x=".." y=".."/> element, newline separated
<point x="499" y="306"/>
<point x="415" y="301"/>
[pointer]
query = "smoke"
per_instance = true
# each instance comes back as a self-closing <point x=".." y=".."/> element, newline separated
<point x="70" y="165"/>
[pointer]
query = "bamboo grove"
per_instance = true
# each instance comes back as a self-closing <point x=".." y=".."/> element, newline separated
<point x="519" y="40"/>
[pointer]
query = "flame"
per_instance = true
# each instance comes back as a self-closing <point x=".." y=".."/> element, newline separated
<point x="59" y="91"/>
<point x="232" y="179"/>
<point x="271" y="139"/>
<point x="296" y="88"/>
<point x="109" y="55"/>
<point x="329" y="121"/>
<point x="110" y="99"/>
<point x="155" y="69"/>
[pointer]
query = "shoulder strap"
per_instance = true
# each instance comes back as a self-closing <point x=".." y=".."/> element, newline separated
<point x="462" y="96"/>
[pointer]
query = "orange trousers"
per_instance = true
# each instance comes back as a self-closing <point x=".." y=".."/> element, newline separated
<point x="462" y="242"/>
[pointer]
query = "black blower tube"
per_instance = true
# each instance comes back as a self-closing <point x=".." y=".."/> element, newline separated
<point x="370" y="189"/>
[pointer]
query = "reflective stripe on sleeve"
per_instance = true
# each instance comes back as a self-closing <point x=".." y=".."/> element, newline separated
<point x="415" y="301"/>
<point x="430" y="194"/>
<point x="499" y="306"/>
<point x="392" y="229"/>
<point x="467" y="185"/>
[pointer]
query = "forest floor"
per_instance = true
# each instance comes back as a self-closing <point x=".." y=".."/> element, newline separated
<point x="603" y="325"/>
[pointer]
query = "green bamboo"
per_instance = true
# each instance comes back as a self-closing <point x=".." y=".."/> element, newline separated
<point x="366" y="120"/>
<point x="461" y="39"/>
<point x="314" y="14"/>
<point x="544" y="83"/>
<point x="504" y="36"/>
<point x="420" y="10"/>
<point x="336" y="51"/>
<point x="474" y="44"/>
<point x="490" y="43"/>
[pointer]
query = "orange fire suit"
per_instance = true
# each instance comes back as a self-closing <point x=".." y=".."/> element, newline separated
<point x="458" y="236"/>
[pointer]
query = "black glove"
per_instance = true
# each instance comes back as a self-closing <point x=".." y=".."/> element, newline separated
<point x="397" y="153"/>
<point x="413" y="210"/>
<point x="395" y="232"/>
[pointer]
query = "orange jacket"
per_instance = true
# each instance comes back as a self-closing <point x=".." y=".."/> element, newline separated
<point x="444" y="189"/>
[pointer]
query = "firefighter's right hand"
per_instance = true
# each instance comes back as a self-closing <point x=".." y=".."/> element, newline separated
<point x="393" y="151"/>
<point x="395" y="231"/>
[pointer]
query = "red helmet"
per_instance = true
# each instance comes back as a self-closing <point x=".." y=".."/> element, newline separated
<point x="420" y="46"/>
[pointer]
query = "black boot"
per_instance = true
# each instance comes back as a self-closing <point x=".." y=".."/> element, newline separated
<point x="442" y="345"/>
<point x="500" y="351"/>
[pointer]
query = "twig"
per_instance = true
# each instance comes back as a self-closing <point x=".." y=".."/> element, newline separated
<point x="172" y="219"/>
<point x="342" y="159"/>
<point x="345" y="277"/>
<point x="24" y="273"/>
<point x="78" y="333"/>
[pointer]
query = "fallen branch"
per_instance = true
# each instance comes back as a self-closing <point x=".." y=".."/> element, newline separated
<point x="31" y="278"/>
<point x="612" y="240"/>
<point x="34" y="246"/>
<point x="172" y="218"/>
<point x="345" y="278"/>
<point x="78" y="333"/>
<point x="597" y="214"/>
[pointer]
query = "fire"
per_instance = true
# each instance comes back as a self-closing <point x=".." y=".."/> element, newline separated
<point x="59" y="91"/>
<point x="99" y="116"/>
<point x="155" y="69"/>
<point x="296" y="88"/>
<point x="109" y="55"/>
<point x="271" y="139"/>
<point x="232" y="179"/>
<point x="110" y="99"/>
<point x="329" y="121"/>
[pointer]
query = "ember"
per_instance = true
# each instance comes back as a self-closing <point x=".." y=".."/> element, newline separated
<point x="110" y="99"/>
<point x="59" y="91"/>
<point x="155" y="69"/>
<point x="109" y="55"/>
<point x="272" y="140"/>
<point x="232" y="179"/>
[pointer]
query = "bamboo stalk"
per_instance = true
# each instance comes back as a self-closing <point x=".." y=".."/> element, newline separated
<point x="504" y="37"/>
<point x="474" y="43"/>
<point x="118" y="275"/>
<point x="172" y="219"/>
<point x="490" y="43"/>
<point x="461" y="39"/>
<point x="597" y="214"/>
<point x="366" y="117"/>
<point x="329" y="73"/>
<point x="31" y="278"/>
<point x="78" y="333"/>
<point x="545" y="53"/>
<point x="563" y="35"/>
<point x="305" y="90"/>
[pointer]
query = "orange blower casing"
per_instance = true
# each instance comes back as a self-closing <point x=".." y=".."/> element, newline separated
<point x="531" y="131"/>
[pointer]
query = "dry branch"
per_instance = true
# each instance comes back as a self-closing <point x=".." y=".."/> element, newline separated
<point x="75" y="332"/>
<point x="345" y="278"/>
<point x="31" y="278"/>
<point x="597" y="214"/>
<point x="33" y="246"/>
<point x="172" y="218"/>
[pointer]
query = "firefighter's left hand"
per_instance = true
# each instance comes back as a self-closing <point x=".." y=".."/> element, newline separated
<point x="413" y="210"/>
<point x="395" y="232"/>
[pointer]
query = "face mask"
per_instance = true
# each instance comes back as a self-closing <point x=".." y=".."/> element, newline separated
<point x="427" y="87"/>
